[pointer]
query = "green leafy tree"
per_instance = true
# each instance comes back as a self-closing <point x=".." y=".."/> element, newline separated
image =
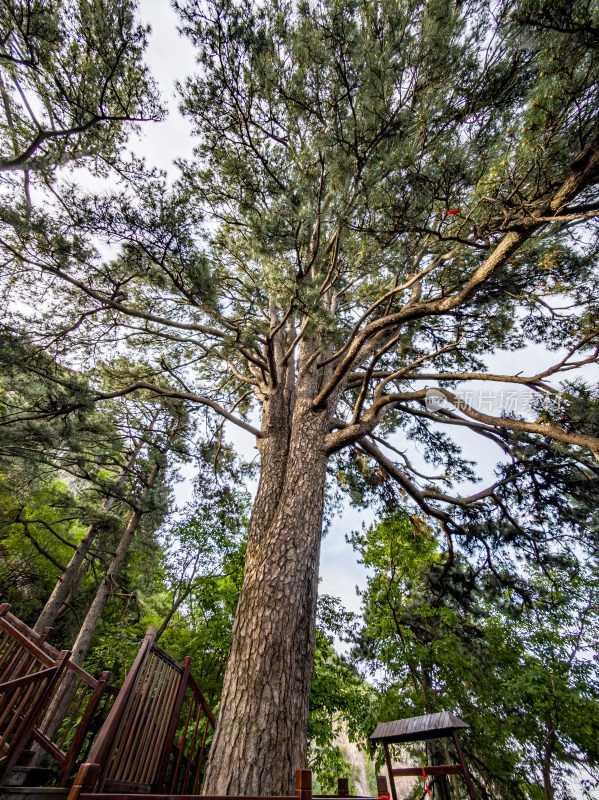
<point x="340" y="699"/>
<point x="54" y="467"/>
<point x="522" y="676"/>
<point x="205" y="545"/>
<point x="306" y="272"/>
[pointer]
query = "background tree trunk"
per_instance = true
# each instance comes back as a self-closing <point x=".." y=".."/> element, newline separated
<point x="261" y="735"/>
<point x="67" y="580"/>
<point x="90" y="623"/>
<point x="80" y="649"/>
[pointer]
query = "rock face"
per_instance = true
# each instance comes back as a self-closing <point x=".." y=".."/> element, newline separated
<point x="401" y="758"/>
<point x="363" y="772"/>
<point x="362" y="768"/>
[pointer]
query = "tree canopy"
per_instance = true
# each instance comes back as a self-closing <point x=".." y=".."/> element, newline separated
<point x="522" y="675"/>
<point x="330" y="149"/>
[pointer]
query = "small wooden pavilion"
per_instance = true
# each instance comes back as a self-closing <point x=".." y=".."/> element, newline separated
<point x="418" y="729"/>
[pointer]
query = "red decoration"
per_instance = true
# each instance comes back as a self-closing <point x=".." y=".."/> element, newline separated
<point x="424" y="776"/>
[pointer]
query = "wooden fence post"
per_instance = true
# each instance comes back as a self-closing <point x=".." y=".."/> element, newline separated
<point x="382" y="788"/>
<point x="342" y="787"/>
<point x="170" y="737"/>
<point x="91" y="775"/>
<point x="464" y="766"/>
<point x="87" y="776"/>
<point x="303" y="784"/>
<point x="390" y="770"/>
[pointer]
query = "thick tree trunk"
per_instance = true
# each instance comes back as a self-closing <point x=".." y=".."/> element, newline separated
<point x="68" y="579"/>
<point x="90" y="623"/>
<point x="261" y="733"/>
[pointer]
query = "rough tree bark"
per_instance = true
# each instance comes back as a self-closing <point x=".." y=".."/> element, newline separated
<point x="269" y="671"/>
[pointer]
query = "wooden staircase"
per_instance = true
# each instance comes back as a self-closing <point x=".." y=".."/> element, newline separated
<point x="149" y="739"/>
<point x="47" y="703"/>
<point x="27" y="773"/>
<point x="137" y="750"/>
<point x="150" y="736"/>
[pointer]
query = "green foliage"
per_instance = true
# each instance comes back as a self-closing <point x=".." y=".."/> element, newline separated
<point x="331" y="141"/>
<point x="72" y="81"/>
<point x="339" y="698"/>
<point x="201" y="578"/>
<point x="37" y="536"/>
<point x="522" y="676"/>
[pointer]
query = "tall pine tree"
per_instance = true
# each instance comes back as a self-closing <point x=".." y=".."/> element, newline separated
<point x="383" y="194"/>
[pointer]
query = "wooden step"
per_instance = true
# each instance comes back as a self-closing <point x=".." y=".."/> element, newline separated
<point x="28" y="776"/>
<point x="24" y="758"/>
<point x="33" y="793"/>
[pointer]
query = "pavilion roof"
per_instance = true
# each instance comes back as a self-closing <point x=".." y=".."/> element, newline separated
<point x="415" y="729"/>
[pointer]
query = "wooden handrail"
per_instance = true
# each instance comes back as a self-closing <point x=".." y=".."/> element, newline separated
<point x="22" y="709"/>
<point x="166" y="657"/>
<point x="439" y="769"/>
<point x="167" y="749"/>
<point x="186" y="773"/>
<point x="33" y="677"/>
<point x="135" y="750"/>
<point x="202" y="700"/>
<point x="99" y="756"/>
<point x="303" y="782"/>
<point x="37" y="638"/>
<point x="83" y="728"/>
<point x="64" y="723"/>
<point x="27" y="644"/>
<point x="73" y="795"/>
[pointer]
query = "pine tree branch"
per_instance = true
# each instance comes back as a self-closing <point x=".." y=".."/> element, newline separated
<point x="41" y="550"/>
<point x="585" y="172"/>
<point x="372" y="450"/>
<point x="195" y="398"/>
<point x="544" y="429"/>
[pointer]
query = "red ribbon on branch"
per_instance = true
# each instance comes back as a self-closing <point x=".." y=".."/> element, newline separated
<point x="425" y="783"/>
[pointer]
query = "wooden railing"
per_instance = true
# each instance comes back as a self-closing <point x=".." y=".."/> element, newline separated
<point x="28" y="677"/>
<point x="196" y="724"/>
<point x="303" y="791"/>
<point x="135" y="750"/>
<point x="154" y="740"/>
<point x="38" y="639"/>
<point x="78" y="705"/>
<point x="382" y="790"/>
